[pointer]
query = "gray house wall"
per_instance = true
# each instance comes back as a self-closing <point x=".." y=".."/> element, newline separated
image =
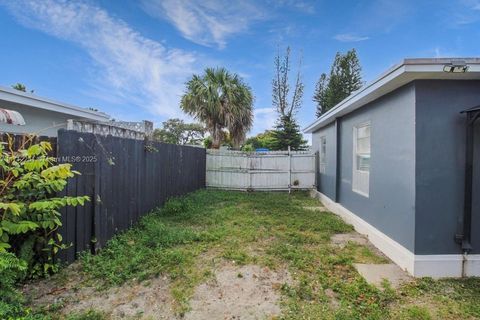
<point x="390" y="206"/>
<point x="326" y="181"/>
<point x="417" y="165"/>
<point x="440" y="164"/>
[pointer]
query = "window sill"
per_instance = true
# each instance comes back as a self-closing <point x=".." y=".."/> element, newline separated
<point x="366" y="195"/>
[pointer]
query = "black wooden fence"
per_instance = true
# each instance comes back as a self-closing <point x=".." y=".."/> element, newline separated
<point x="125" y="179"/>
<point x="19" y="141"/>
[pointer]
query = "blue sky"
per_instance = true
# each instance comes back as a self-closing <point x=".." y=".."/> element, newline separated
<point x="131" y="58"/>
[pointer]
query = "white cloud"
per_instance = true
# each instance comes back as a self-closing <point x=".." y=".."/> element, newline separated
<point x="348" y="37"/>
<point x="208" y="22"/>
<point x="302" y="6"/>
<point x="464" y="12"/>
<point x="131" y="68"/>
<point x="264" y="119"/>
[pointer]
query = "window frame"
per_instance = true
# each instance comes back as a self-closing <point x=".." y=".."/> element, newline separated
<point x="322" y="155"/>
<point x="361" y="178"/>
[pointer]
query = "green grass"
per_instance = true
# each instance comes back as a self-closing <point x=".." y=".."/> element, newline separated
<point x="270" y="229"/>
<point x="87" y="315"/>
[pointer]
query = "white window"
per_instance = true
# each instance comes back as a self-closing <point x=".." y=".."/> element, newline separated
<point x="361" y="159"/>
<point x="323" y="154"/>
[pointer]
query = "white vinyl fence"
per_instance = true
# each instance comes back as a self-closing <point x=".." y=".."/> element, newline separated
<point x="272" y="170"/>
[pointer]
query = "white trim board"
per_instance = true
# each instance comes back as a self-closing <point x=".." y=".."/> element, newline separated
<point x="435" y="266"/>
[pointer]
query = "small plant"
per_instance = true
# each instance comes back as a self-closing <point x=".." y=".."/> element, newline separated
<point x="87" y="315"/>
<point x="11" y="269"/>
<point x="207" y="142"/>
<point x="415" y="313"/>
<point x="11" y="300"/>
<point x="150" y="147"/>
<point x="176" y="206"/>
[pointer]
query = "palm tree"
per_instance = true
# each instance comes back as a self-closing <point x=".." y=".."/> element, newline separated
<point x="220" y="100"/>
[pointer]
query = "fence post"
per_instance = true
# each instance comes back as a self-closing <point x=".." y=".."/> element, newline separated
<point x="250" y="172"/>
<point x="289" y="170"/>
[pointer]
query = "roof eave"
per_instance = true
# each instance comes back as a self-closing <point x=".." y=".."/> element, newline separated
<point x="403" y="73"/>
<point x="23" y="98"/>
<point x="385" y="77"/>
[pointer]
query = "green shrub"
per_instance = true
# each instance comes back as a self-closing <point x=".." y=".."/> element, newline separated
<point x="29" y="213"/>
<point x="248" y="148"/>
<point x="29" y="207"/>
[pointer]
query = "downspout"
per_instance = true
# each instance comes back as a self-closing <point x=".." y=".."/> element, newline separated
<point x="465" y="237"/>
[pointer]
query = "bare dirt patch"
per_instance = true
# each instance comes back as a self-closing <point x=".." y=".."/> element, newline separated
<point x="234" y="292"/>
<point x="333" y="297"/>
<point x="239" y="292"/>
<point x="342" y="239"/>
<point x="150" y="300"/>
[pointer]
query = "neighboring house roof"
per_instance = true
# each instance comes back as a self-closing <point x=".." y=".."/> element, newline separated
<point x="406" y="71"/>
<point x="34" y="101"/>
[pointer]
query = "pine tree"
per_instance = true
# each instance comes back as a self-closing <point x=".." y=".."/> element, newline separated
<point x="287" y="131"/>
<point x="287" y="134"/>
<point x="345" y="77"/>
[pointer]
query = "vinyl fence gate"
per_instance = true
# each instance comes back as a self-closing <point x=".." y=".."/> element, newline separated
<point x="261" y="171"/>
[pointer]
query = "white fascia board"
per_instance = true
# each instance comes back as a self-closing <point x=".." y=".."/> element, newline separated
<point x="27" y="99"/>
<point x="358" y="98"/>
<point x="394" y="78"/>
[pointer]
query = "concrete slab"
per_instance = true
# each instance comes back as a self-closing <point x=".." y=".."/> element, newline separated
<point x="375" y="273"/>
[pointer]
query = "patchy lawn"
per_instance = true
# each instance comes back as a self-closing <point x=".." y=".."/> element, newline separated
<point x="233" y="255"/>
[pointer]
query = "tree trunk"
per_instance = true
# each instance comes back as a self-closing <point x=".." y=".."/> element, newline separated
<point x="238" y="140"/>
<point x="216" y="137"/>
